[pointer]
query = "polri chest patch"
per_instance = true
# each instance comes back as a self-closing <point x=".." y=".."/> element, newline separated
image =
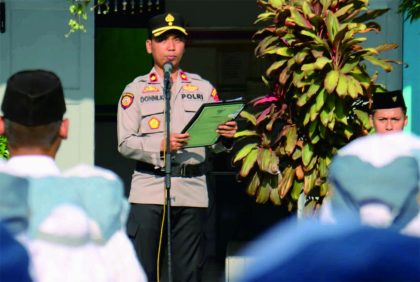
<point x="154" y="123"/>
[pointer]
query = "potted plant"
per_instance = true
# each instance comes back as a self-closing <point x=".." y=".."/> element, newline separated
<point x="318" y="100"/>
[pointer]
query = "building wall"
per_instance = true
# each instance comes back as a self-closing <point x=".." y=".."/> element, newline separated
<point x="411" y="74"/>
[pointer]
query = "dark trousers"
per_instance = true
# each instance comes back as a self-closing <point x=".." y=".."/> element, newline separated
<point x="144" y="224"/>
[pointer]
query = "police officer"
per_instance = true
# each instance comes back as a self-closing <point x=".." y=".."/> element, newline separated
<point x="141" y="116"/>
<point x="389" y="113"/>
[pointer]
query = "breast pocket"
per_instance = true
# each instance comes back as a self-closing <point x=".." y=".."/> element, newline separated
<point x="152" y="118"/>
<point x="191" y="107"/>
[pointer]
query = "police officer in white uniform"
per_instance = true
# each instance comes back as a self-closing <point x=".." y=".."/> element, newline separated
<point x="141" y="126"/>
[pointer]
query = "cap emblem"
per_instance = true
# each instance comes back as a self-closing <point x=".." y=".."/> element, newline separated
<point x="169" y="19"/>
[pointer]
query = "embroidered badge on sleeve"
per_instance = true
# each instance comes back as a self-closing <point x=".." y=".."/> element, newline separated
<point x="126" y="100"/>
<point x="214" y="95"/>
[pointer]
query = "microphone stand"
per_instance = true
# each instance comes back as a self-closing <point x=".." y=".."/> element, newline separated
<point x="167" y="93"/>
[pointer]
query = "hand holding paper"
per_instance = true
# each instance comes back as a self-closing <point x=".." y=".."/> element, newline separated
<point x="211" y="121"/>
<point x="227" y="129"/>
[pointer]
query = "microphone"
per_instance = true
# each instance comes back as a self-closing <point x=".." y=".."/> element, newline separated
<point x="167" y="67"/>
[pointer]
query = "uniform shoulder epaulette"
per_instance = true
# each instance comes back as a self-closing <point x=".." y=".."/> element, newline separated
<point x="194" y="76"/>
<point x="141" y="78"/>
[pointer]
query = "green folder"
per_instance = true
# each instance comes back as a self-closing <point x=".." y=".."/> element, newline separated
<point x="202" y="127"/>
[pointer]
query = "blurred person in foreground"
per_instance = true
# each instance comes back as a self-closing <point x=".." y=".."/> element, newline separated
<point x="309" y="251"/>
<point x="76" y="217"/>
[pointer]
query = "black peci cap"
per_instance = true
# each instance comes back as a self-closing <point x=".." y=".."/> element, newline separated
<point x="162" y="23"/>
<point x="34" y="97"/>
<point x="388" y="100"/>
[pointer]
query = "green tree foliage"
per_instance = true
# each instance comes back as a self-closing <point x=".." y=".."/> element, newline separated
<point x="411" y="9"/>
<point x="79" y="13"/>
<point x="319" y="88"/>
<point x="4" y="152"/>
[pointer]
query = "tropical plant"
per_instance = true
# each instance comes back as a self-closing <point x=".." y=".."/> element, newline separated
<point x="319" y="91"/>
<point x="4" y="152"/>
<point x="411" y="8"/>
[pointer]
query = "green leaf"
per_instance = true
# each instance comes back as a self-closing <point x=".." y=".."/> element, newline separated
<point x="307" y="153"/>
<point x="253" y="184"/>
<point x="344" y="10"/>
<point x="264" y="159"/>
<point x="313" y="36"/>
<point x="296" y="190"/>
<point x="302" y="100"/>
<point x="324" y="189"/>
<point x="263" y="193"/>
<point x="300" y="56"/>
<point x="385" y="47"/>
<point x="340" y="115"/>
<point x="284" y="51"/>
<point x="242" y="153"/>
<point x="297" y="154"/>
<point x="291" y="138"/>
<point x="331" y="80"/>
<point x="354" y="87"/>
<point x="275" y="66"/>
<point x="321" y="62"/>
<point x="363" y="117"/>
<point x="370" y="14"/>
<point x="309" y="182"/>
<point x="306" y="8"/>
<point x="349" y="66"/>
<point x="248" y="162"/>
<point x="308" y="67"/>
<point x="248" y="116"/>
<point x="332" y="25"/>
<point x="299" y="19"/>
<point x="246" y="133"/>
<point x="342" y="85"/>
<point x="313" y="112"/>
<point x="379" y="62"/>
<point x="320" y="99"/>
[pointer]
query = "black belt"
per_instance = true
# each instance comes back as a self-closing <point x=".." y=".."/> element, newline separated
<point x="177" y="170"/>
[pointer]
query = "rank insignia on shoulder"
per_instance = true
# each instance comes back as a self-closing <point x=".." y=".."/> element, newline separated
<point x="150" y="89"/>
<point x="154" y="123"/>
<point x="126" y="100"/>
<point x="183" y="76"/>
<point x="214" y="95"/>
<point x="190" y="88"/>
<point x="153" y="77"/>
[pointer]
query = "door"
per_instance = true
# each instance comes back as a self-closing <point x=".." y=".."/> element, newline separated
<point x="34" y="38"/>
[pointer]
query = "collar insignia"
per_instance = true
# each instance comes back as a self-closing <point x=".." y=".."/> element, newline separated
<point x="183" y="76"/>
<point x="153" y="77"/>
